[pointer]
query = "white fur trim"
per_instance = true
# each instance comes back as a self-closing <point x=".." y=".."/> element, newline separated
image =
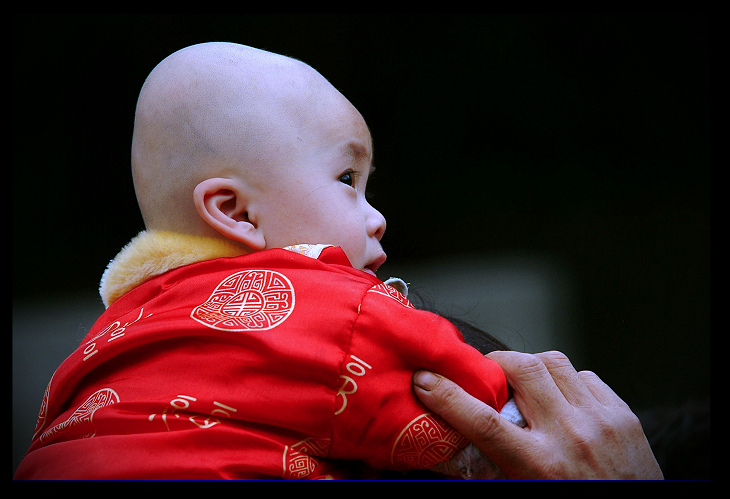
<point x="399" y="284"/>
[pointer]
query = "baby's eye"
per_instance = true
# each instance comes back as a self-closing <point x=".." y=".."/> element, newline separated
<point x="348" y="178"/>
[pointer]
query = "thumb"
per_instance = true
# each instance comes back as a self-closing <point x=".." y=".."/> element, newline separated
<point x="482" y="425"/>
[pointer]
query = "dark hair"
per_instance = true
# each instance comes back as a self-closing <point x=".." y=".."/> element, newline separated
<point x="478" y="338"/>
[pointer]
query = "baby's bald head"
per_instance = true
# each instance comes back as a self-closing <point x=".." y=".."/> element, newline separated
<point x="256" y="148"/>
<point x="216" y="110"/>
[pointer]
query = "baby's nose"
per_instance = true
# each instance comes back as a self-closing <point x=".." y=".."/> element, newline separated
<point x="375" y="224"/>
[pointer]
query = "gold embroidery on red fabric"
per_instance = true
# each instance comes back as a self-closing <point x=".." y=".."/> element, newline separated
<point x="424" y="442"/>
<point x="348" y="385"/>
<point x="116" y="331"/>
<point x="43" y="413"/>
<point x="180" y="410"/>
<point x="391" y="292"/>
<point x="85" y="413"/>
<point x="298" y="459"/>
<point x="250" y="300"/>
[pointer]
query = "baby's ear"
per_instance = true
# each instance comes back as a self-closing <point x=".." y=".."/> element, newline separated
<point x="222" y="204"/>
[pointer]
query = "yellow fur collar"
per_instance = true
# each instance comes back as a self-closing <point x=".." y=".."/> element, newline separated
<point x="152" y="253"/>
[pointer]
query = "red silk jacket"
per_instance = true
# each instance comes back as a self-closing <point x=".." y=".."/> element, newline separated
<point x="268" y="365"/>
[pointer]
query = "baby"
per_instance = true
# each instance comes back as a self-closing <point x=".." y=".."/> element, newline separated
<point x="246" y="333"/>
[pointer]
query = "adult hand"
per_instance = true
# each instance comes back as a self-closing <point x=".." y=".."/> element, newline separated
<point x="578" y="428"/>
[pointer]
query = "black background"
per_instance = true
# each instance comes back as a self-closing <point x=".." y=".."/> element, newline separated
<point x="581" y="138"/>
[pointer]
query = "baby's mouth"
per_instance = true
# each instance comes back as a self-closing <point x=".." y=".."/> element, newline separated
<point x="373" y="266"/>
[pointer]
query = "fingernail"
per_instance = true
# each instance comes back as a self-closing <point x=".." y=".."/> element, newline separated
<point x="426" y="380"/>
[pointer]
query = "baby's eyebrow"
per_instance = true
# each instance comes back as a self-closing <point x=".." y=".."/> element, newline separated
<point x="358" y="153"/>
<point x="359" y="150"/>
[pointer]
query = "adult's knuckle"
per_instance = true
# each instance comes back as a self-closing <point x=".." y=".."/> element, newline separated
<point x="555" y="358"/>
<point x="485" y="425"/>
<point x="530" y="366"/>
